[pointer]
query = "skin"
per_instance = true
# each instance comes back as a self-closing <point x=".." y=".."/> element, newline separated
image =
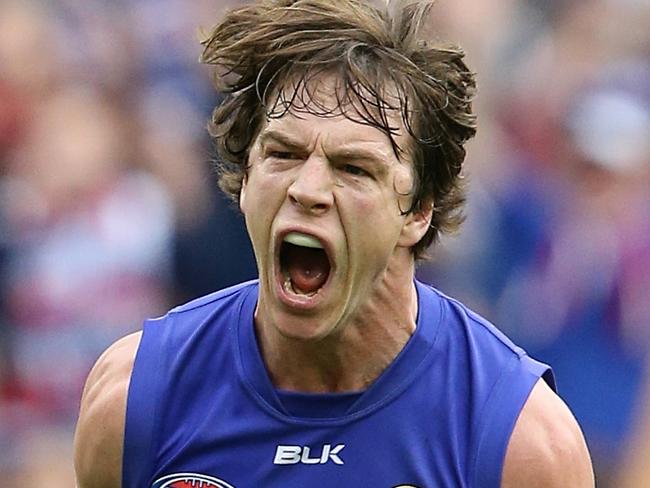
<point x="635" y="468"/>
<point x="339" y="181"/>
<point x="100" y="430"/>
<point x="334" y="179"/>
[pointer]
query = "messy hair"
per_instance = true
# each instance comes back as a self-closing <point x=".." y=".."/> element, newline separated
<point x="267" y="55"/>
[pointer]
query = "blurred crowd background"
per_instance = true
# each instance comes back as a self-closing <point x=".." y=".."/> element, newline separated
<point x="109" y="211"/>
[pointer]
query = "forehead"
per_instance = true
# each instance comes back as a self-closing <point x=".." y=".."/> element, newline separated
<point x="325" y="105"/>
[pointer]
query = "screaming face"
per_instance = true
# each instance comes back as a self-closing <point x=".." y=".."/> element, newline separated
<point x="322" y="201"/>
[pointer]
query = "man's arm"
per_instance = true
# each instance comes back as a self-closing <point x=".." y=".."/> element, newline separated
<point x="634" y="470"/>
<point x="547" y="448"/>
<point x="100" y="430"/>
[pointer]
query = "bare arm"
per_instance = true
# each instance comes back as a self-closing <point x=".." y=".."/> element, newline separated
<point x="100" y="429"/>
<point x="634" y="471"/>
<point x="547" y="448"/>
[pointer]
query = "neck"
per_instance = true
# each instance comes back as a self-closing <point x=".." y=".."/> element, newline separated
<point x="362" y="347"/>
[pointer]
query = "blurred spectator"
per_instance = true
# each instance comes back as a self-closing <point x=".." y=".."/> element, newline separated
<point x="556" y="249"/>
<point x="108" y="209"/>
<point x="581" y="300"/>
<point x="88" y="250"/>
<point x="214" y="253"/>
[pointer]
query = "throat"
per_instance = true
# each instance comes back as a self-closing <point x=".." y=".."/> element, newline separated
<point x="305" y="269"/>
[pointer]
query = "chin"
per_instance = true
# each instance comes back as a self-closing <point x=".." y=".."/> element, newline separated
<point x="303" y="331"/>
<point x="297" y="317"/>
<point x="301" y="327"/>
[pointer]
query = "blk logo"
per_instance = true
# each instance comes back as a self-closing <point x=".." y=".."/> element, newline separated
<point x="304" y="455"/>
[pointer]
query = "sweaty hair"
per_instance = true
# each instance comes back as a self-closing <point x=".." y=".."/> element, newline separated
<point x="268" y="54"/>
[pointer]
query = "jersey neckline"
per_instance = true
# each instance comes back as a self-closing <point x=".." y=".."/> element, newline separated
<point x="399" y="374"/>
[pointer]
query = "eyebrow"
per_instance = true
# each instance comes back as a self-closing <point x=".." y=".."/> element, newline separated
<point x="376" y="158"/>
<point x="338" y="155"/>
<point x="356" y="155"/>
<point x="282" y="138"/>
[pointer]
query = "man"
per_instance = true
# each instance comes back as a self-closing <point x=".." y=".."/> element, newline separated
<point x="342" y="139"/>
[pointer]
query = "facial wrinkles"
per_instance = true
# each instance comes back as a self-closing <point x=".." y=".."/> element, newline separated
<point x="327" y="147"/>
<point x="357" y="259"/>
<point x="316" y="140"/>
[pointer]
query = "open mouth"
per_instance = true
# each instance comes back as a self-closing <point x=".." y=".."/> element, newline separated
<point x="304" y="264"/>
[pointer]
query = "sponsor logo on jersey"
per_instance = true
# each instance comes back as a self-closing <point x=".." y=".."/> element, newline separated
<point x="190" y="480"/>
<point x="288" y="454"/>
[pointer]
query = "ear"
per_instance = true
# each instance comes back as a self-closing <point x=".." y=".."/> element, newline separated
<point x="242" y="194"/>
<point x="416" y="224"/>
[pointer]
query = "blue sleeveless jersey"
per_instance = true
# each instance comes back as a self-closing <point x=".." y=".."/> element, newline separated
<point x="202" y="412"/>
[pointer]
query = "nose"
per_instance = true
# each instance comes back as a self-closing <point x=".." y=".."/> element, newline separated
<point x="311" y="190"/>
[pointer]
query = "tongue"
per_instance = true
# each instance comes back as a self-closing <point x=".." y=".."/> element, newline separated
<point x="308" y="268"/>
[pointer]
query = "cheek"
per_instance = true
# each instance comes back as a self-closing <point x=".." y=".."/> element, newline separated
<point x="261" y="190"/>
<point x="376" y="221"/>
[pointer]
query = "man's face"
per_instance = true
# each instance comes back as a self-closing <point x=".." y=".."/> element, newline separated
<point x="323" y="203"/>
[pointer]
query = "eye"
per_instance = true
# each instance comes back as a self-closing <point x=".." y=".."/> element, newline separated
<point x="354" y="170"/>
<point x="282" y="155"/>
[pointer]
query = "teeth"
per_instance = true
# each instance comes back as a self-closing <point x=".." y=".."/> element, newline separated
<point x="304" y="240"/>
<point x="289" y="287"/>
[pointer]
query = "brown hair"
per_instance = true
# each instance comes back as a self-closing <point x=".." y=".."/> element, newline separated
<point x="267" y="53"/>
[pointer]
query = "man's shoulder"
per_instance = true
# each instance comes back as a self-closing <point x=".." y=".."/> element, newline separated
<point x="462" y="321"/>
<point x="100" y="429"/>
<point x="547" y="448"/>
